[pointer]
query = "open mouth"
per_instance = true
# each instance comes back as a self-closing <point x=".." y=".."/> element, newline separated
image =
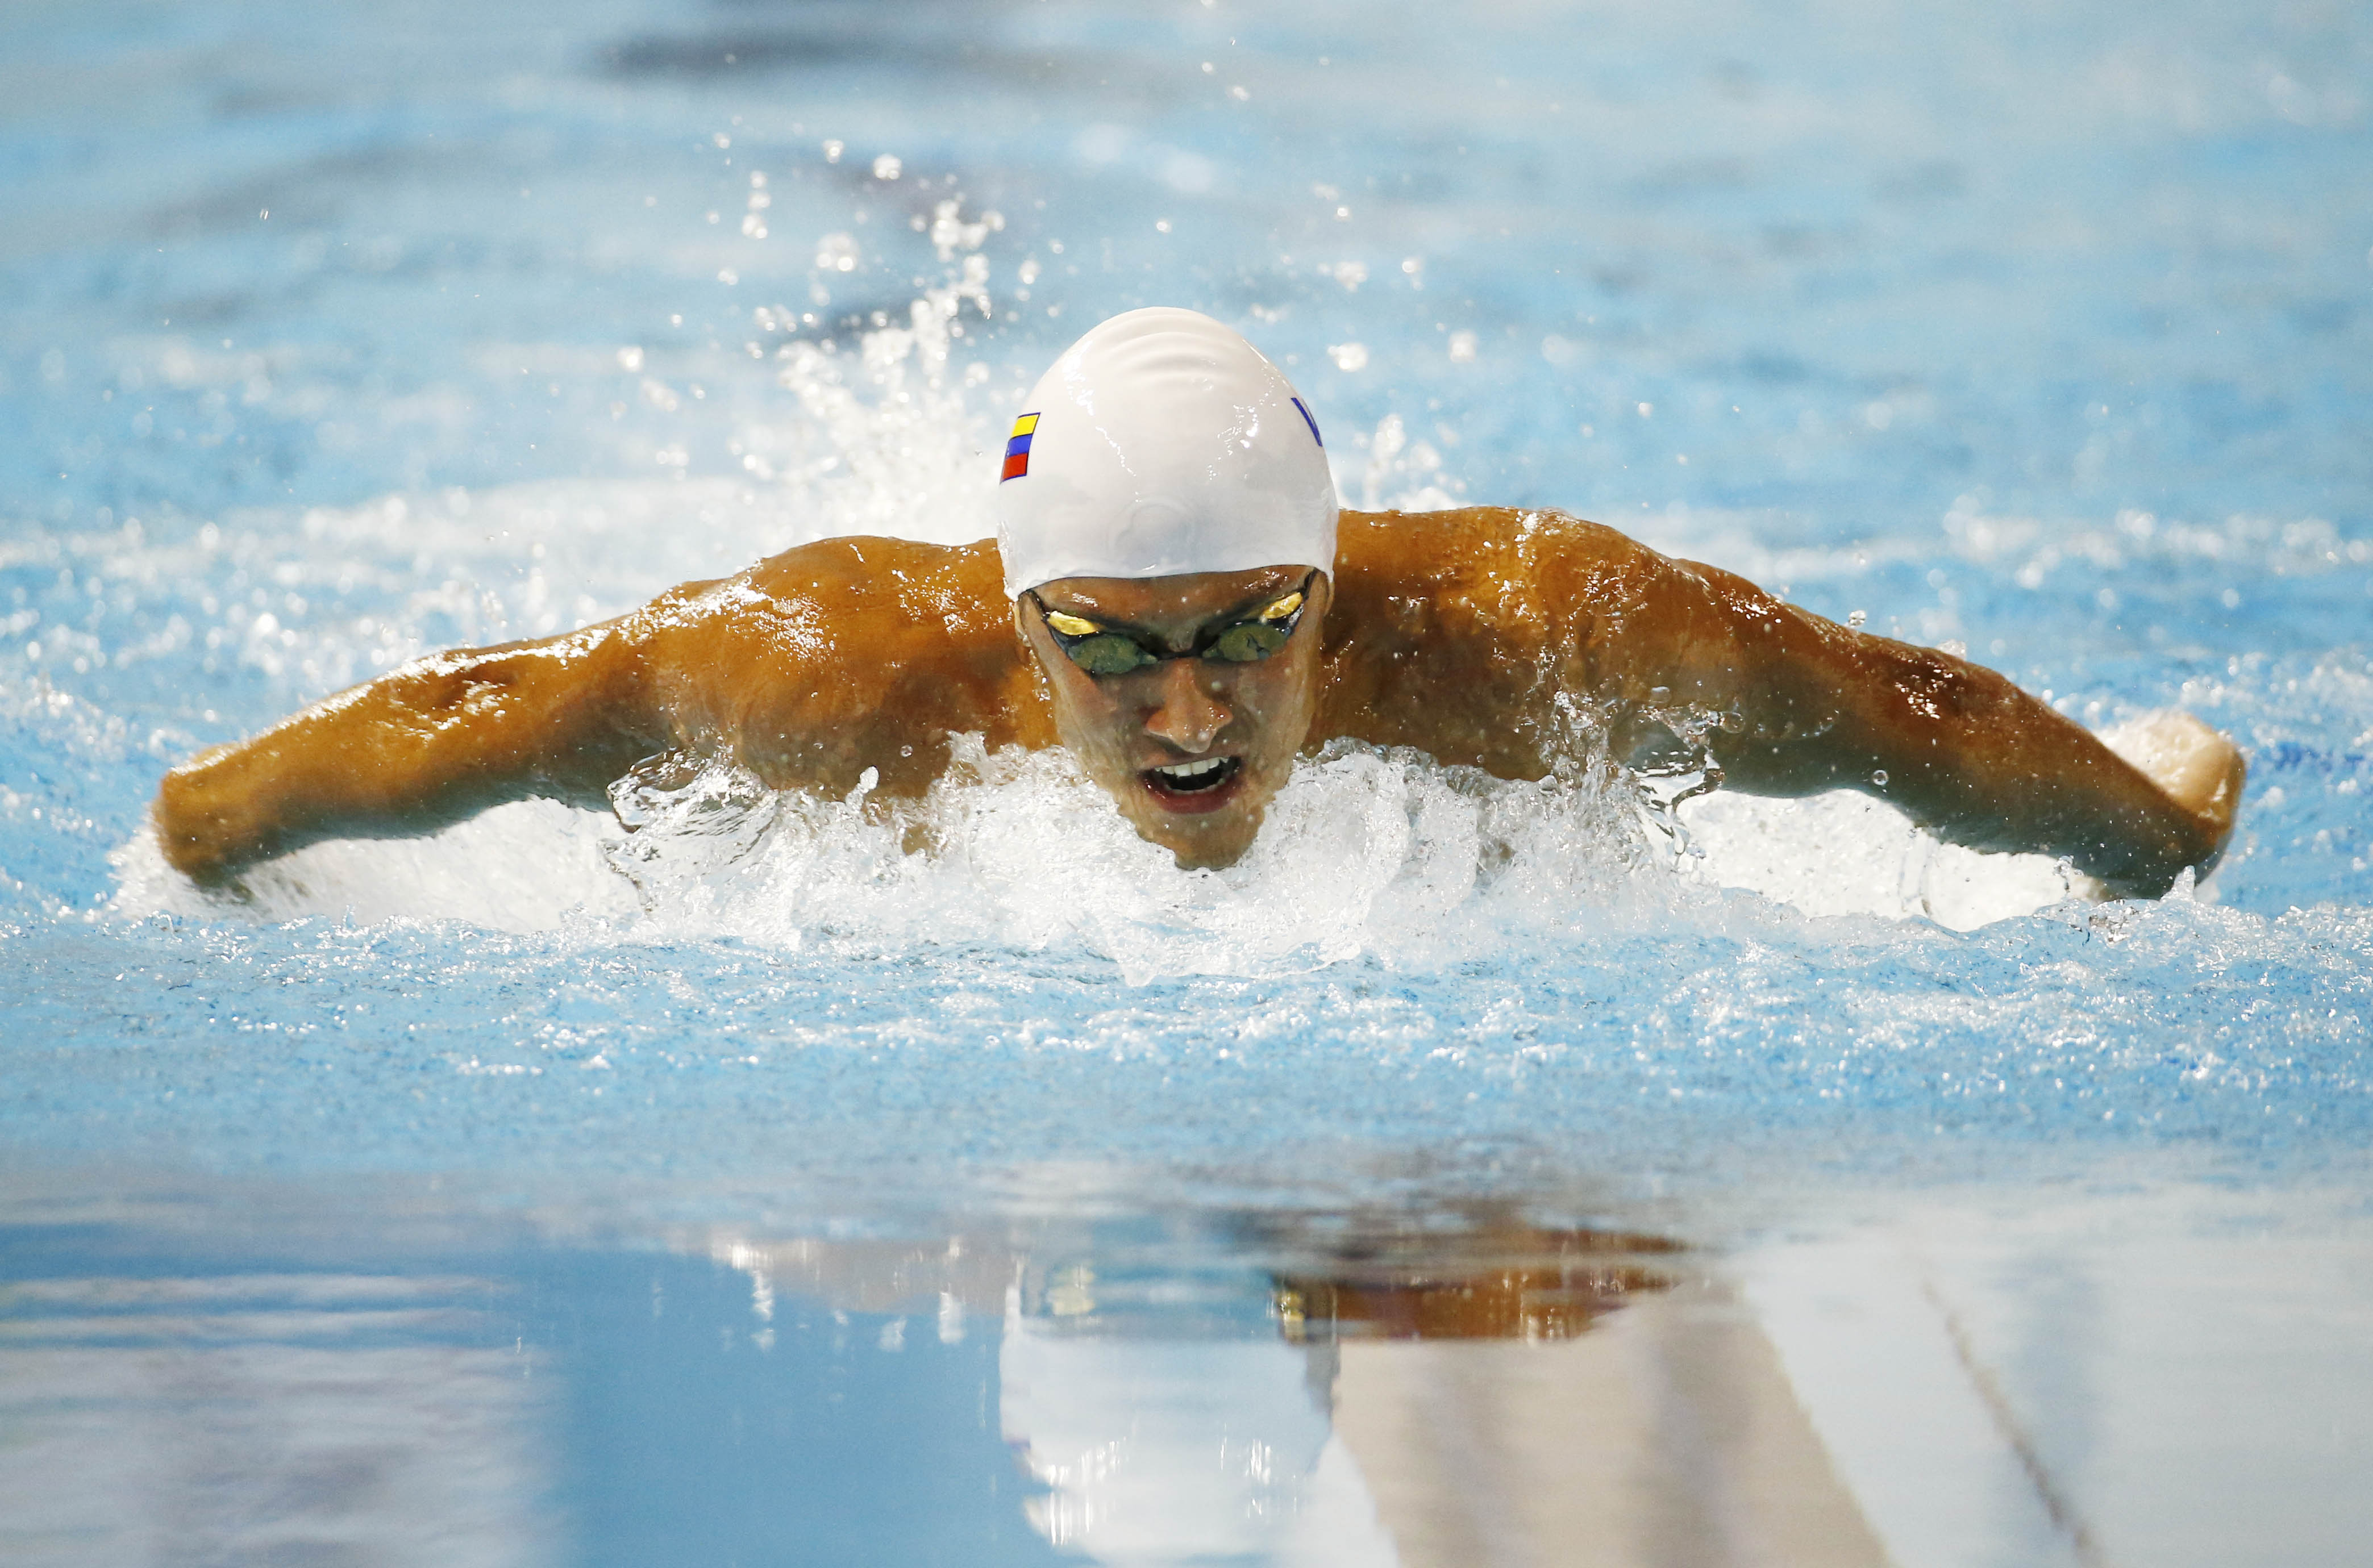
<point x="1201" y="777"/>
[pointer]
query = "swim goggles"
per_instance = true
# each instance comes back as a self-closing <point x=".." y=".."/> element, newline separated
<point x="1107" y="650"/>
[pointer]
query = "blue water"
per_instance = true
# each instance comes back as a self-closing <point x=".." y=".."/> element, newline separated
<point x="332" y="335"/>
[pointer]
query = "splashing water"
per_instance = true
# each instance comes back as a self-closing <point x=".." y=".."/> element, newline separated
<point x="1364" y="851"/>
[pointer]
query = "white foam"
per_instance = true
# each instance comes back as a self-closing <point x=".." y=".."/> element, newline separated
<point x="1844" y="854"/>
<point x="530" y="865"/>
<point x="1364" y="851"/>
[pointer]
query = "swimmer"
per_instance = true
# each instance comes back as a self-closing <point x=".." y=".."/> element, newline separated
<point x="1174" y="598"/>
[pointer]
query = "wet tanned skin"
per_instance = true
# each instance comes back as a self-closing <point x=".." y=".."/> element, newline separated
<point x="1456" y="633"/>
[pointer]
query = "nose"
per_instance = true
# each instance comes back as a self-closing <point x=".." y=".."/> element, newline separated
<point x="1187" y="713"/>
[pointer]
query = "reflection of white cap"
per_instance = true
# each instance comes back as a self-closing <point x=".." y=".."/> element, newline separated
<point x="1158" y="1453"/>
<point x="1162" y="443"/>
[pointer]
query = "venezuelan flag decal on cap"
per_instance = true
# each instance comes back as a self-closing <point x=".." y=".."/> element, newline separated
<point x="1017" y="448"/>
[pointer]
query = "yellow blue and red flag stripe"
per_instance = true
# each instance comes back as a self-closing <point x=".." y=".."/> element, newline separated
<point x="1017" y="448"/>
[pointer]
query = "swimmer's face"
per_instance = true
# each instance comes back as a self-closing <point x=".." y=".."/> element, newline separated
<point x="1191" y="749"/>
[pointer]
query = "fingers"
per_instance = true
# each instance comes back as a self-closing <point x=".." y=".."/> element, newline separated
<point x="2198" y="768"/>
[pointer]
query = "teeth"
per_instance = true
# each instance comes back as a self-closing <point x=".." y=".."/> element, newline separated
<point x="1185" y="771"/>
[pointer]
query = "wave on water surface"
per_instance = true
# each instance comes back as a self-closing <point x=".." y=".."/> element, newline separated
<point x="1365" y="852"/>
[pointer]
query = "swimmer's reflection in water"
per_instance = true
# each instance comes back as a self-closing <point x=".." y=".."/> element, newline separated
<point x="1493" y="1280"/>
<point x="1174" y="598"/>
<point x="1173" y="1405"/>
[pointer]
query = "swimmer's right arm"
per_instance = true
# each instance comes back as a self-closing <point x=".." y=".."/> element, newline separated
<point x="810" y="669"/>
<point x="426" y="745"/>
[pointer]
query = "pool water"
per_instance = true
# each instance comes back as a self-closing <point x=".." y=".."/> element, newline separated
<point x="783" y="1182"/>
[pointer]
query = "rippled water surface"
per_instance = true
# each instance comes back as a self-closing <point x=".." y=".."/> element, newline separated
<point x="333" y="335"/>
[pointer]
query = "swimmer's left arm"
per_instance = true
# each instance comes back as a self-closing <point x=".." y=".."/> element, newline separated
<point x="1809" y="705"/>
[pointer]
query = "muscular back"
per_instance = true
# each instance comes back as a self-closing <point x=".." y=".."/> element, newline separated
<point x="1450" y="632"/>
<point x="1459" y="632"/>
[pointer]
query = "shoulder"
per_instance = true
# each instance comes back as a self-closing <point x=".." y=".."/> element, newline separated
<point x="854" y="591"/>
<point x="1467" y="542"/>
<point x="863" y="570"/>
<point x="856" y="615"/>
<point x="1505" y="562"/>
<point x="842" y="655"/>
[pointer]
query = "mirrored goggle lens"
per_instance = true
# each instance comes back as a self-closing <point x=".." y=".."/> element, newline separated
<point x="1108" y="653"/>
<point x="1248" y="641"/>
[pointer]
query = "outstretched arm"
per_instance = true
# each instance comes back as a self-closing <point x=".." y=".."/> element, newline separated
<point x="428" y="744"/>
<point x="809" y="668"/>
<point x="1809" y="705"/>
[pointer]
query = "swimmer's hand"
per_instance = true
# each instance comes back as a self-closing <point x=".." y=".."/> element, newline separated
<point x="205" y="831"/>
<point x="2198" y="768"/>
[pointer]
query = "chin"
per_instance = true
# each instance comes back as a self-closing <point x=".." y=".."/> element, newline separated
<point x="1210" y="858"/>
<point x="1211" y="846"/>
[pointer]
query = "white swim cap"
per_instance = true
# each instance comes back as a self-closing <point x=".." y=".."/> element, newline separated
<point x="1162" y="443"/>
